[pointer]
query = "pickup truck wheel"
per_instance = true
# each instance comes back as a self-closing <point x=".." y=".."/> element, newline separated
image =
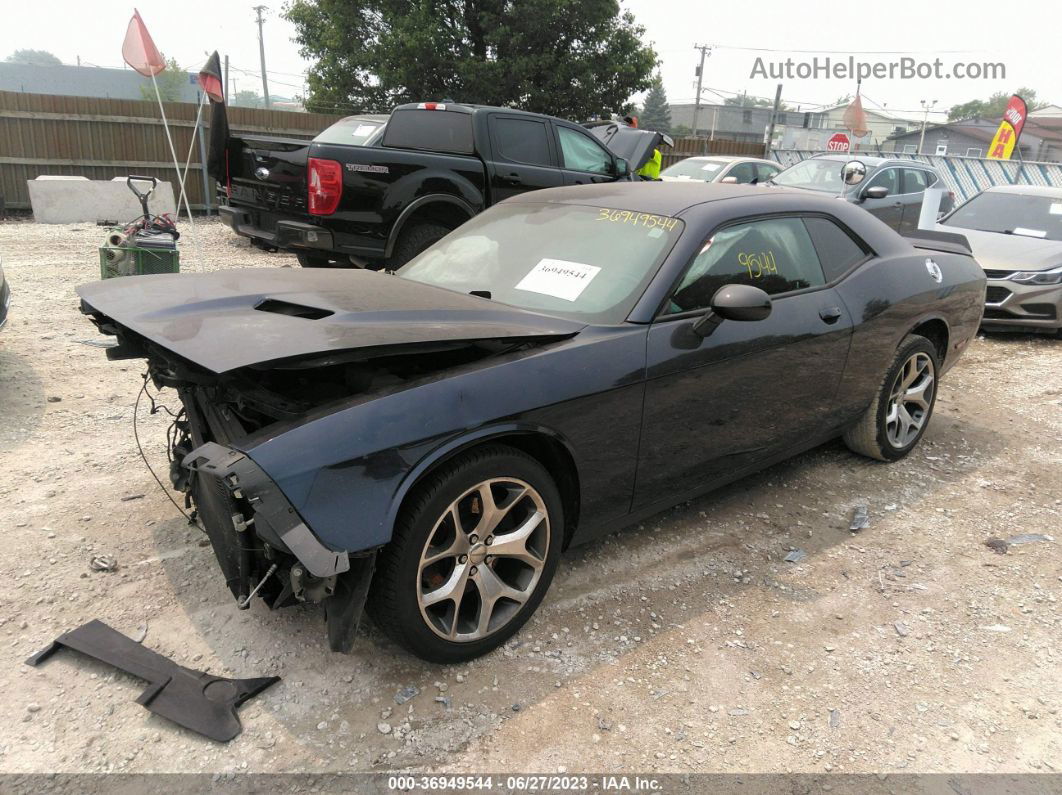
<point x="308" y="260"/>
<point x="473" y="553"/>
<point x="413" y="240"/>
<point x="893" y="424"/>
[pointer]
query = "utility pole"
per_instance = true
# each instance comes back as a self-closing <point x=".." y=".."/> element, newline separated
<point x="261" y="52"/>
<point x="774" y="115"/>
<point x="926" y="107"/>
<point x="706" y="50"/>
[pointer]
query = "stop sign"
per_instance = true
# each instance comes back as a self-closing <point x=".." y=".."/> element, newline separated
<point x="838" y="143"/>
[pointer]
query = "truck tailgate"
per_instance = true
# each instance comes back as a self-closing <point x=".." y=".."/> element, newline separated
<point x="268" y="173"/>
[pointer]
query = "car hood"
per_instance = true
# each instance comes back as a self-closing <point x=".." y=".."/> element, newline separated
<point x="238" y="318"/>
<point x="997" y="251"/>
<point x="633" y="145"/>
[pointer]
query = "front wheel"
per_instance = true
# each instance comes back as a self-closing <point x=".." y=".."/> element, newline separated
<point x="892" y="425"/>
<point x="473" y="552"/>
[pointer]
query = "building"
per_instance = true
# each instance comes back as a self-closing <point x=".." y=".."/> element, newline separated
<point x="793" y="129"/>
<point x="1041" y="139"/>
<point x="84" y="81"/>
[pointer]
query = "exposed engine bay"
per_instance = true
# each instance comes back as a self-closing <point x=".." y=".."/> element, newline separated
<point x="261" y="543"/>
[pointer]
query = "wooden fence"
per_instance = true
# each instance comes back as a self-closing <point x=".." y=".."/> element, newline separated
<point x="104" y="138"/>
<point x="692" y="147"/>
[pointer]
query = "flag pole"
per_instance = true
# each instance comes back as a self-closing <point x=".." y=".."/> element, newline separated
<point x="173" y="152"/>
<point x="191" y="142"/>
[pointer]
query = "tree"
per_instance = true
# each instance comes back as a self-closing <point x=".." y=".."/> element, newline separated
<point x="745" y="101"/>
<point x="566" y="57"/>
<point x="681" y="130"/>
<point x="656" y="113"/>
<point x="34" y="57"/>
<point x="171" y="82"/>
<point x="247" y="99"/>
<point x="993" y="107"/>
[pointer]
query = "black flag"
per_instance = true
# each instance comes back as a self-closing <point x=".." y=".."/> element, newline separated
<point x="217" y="153"/>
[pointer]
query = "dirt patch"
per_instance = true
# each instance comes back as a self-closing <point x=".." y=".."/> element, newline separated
<point x="684" y="644"/>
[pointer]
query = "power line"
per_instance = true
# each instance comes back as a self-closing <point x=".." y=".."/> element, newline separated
<point x="844" y="52"/>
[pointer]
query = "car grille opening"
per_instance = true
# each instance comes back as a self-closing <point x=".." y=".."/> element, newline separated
<point x="995" y="295"/>
<point x="292" y="310"/>
<point x="1045" y="311"/>
<point x="998" y="274"/>
<point x="997" y="314"/>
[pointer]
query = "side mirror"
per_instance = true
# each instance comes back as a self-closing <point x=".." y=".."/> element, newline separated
<point x="621" y="167"/>
<point x="853" y="172"/>
<point x="734" y="302"/>
<point x="729" y="180"/>
<point x="876" y="192"/>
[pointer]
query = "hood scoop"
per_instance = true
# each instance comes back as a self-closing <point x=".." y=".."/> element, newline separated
<point x="279" y="307"/>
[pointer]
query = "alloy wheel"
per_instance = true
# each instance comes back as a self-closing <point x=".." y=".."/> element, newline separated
<point x="910" y="400"/>
<point x="483" y="559"/>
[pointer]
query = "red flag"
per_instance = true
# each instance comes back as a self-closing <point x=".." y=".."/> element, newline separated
<point x="139" y="51"/>
<point x="210" y="78"/>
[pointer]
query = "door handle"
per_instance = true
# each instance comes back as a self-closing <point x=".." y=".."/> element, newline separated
<point x="601" y="179"/>
<point x="512" y="179"/>
<point x="830" y="314"/>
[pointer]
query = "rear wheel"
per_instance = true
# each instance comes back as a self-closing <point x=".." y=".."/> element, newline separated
<point x="473" y="553"/>
<point x="413" y="240"/>
<point x="892" y="425"/>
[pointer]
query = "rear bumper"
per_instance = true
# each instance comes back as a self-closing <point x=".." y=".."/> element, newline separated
<point x="285" y="234"/>
<point x="1022" y="307"/>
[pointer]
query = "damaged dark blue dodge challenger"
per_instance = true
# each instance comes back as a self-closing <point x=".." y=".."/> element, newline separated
<point x="428" y="442"/>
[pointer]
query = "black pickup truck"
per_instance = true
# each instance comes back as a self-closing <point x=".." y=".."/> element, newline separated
<point x="380" y="200"/>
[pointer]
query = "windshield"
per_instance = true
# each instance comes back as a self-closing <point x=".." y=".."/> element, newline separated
<point x="824" y="175"/>
<point x="585" y="263"/>
<point x="691" y="168"/>
<point x="351" y="131"/>
<point x="1011" y="213"/>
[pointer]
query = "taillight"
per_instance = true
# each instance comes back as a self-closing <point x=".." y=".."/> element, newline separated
<point x="325" y="185"/>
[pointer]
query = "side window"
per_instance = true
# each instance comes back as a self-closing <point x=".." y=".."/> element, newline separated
<point x="914" y="180"/>
<point x="774" y="254"/>
<point x="765" y="172"/>
<point x="743" y="173"/>
<point x="837" y="250"/>
<point x="889" y="178"/>
<point x="583" y="153"/>
<point x="522" y="140"/>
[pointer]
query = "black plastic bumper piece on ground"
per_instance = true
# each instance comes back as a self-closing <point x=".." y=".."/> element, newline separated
<point x="194" y="699"/>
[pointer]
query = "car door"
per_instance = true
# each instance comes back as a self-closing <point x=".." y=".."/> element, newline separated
<point x="890" y="208"/>
<point x="584" y="159"/>
<point x="524" y="157"/>
<point x="750" y="390"/>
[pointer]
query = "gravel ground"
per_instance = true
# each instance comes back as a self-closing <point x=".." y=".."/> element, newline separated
<point x="684" y="644"/>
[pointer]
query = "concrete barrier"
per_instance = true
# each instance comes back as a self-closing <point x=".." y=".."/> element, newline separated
<point x="69" y="200"/>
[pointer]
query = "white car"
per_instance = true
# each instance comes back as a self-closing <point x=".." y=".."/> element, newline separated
<point x="720" y="168"/>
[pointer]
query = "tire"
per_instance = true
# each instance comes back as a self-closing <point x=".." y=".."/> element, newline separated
<point x="883" y="434"/>
<point x="308" y="260"/>
<point x="413" y="240"/>
<point x="427" y="593"/>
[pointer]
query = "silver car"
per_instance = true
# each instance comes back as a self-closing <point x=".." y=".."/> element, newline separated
<point x="1015" y="232"/>
<point x="721" y="168"/>
<point x="893" y="189"/>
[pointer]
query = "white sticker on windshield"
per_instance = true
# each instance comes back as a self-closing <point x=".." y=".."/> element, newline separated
<point x="559" y="278"/>
<point x="1056" y="208"/>
<point x="1026" y="232"/>
<point x="364" y="129"/>
<point x="710" y="167"/>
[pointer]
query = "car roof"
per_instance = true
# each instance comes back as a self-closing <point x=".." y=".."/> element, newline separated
<point x="728" y="159"/>
<point x="659" y="198"/>
<point x="1027" y="190"/>
<point x="874" y="160"/>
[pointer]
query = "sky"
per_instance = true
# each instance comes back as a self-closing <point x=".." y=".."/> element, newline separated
<point x="738" y="33"/>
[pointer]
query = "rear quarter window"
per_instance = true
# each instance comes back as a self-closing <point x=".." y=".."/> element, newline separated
<point x="430" y="130"/>
<point x="838" y="251"/>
